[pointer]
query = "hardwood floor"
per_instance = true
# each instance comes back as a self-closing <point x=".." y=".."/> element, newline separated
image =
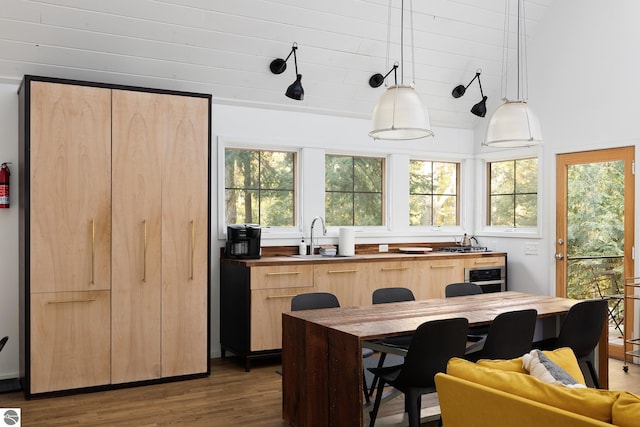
<point x="229" y="397"/>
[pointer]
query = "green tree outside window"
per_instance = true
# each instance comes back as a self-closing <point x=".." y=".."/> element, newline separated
<point x="513" y="193"/>
<point x="260" y="187"/>
<point x="354" y="191"/>
<point x="433" y="193"/>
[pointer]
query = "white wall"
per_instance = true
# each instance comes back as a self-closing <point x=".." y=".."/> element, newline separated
<point x="9" y="308"/>
<point x="584" y="86"/>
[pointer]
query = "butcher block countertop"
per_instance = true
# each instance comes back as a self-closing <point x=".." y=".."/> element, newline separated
<point x="377" y="257"/>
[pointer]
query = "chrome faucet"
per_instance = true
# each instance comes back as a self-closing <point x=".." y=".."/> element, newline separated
<point x="324" y="232"/>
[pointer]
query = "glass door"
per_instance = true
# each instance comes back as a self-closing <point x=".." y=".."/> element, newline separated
<point x="594" y="230"/>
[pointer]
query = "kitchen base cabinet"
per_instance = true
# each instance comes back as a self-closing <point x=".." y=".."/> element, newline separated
<point x="114" y="235"/>
<point x="252" y="301"/>
<point x="255" y="293"/>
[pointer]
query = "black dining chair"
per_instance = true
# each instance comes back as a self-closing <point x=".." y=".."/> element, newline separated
<point x="476" y="333"/>
<point x="510" y="335"/>
<point x="317" y="300"/>
<point x="581" y="330"/>
<point x="461" y="289"/>
<point x="386" y="296"/>
<point x="433" y="344"/>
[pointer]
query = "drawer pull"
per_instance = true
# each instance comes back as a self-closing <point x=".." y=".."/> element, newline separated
<point x="485" y="262"/>
<point x="443" y="266"/>
<point x="68" y="301"/>
<point x="281" y="296"/>
<point x="283" y="273"/>
<point x="393" y="268"/>
<point x="342" y="271"/>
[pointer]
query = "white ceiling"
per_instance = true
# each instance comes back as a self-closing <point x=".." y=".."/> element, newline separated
<point x="224" y="47"/>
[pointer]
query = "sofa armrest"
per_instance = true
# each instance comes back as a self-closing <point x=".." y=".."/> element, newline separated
<point x="463" y="404"/>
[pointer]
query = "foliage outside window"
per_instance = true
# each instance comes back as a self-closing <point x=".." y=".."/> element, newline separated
<point x="513" y="193"/>
<point x="354" y="190"/>
<point x="260" y="187"/>
<point x="433" y="193"/>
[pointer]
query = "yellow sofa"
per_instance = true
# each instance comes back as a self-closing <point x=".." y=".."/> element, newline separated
<point x="502" y="393"/>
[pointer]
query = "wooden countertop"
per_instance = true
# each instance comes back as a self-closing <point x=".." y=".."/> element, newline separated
<point x="378" y="257"/>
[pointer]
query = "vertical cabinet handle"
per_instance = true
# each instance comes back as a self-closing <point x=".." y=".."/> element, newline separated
<point x="193" y="240"/>
<point x="93" y="252"/>
<point x="144" y="250"/>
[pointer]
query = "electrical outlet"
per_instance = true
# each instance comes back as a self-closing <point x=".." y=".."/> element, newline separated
<point x="383" y="248"/>
<point x="531" y="248"/>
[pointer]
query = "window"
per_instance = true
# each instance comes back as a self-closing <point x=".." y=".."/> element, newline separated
<point x="260" y="187"/>
<point x="433" y="193"/>
<point x="513" y="193"/>
<point x="354" y="190"/>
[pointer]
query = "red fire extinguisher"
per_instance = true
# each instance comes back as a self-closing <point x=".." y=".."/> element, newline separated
<point x="5" y="173"/>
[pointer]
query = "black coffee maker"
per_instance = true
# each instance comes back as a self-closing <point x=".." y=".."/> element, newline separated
<point x="243" y="241"/>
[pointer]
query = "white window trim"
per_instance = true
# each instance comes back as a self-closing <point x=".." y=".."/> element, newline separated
<point x="482" y="186"/>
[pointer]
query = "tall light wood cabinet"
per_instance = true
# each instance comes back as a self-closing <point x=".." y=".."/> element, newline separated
<point x="114" y="227"/>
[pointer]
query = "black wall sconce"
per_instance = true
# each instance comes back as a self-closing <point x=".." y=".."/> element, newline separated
<point x="480" y="109"/>
<point x="278" y="65"/>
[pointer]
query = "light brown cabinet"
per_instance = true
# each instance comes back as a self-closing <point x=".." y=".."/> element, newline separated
<point x="254" y="296"/>
<point x="115" y="234"/>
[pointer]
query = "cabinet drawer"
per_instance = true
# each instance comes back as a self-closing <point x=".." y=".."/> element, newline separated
<point x="281" y="276"/>
<point x="70" y="340"/>
<point x="267" y="306"/>
<point x="484" y="262"/>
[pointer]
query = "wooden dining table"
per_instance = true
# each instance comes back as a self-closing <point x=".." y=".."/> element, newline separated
<point x="322" y="349"/>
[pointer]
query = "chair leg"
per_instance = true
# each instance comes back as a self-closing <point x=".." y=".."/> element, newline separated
<point x="412" y="403"/>
<point x="374" y="383"/>
<point x="593" y="373"/>
<point x="364" y="388"/>
<point x="376" y="405"/>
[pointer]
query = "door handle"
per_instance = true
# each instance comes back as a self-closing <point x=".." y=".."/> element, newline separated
<point x="559" y="257"/>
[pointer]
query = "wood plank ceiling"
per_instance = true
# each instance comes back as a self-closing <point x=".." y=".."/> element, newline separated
<point x="225" y="47"/>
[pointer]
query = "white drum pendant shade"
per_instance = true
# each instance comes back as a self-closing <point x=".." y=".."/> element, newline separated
<point x="399" y="114"/>
<point x="513" y="124"/>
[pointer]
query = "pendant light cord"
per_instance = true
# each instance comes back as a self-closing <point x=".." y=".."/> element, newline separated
<point x="402" y="42"/>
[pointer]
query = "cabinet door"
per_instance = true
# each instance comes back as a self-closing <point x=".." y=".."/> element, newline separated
<point x="391" y="274"/>
<point x="438" y="274"/>
<point x="349" y="282"/>
<point x="70" y="188"/>
<point x="185" y="230"/>
<point x="69" y="340"/>
<point x="267" y="306"/>
<point x="137" y="237"/>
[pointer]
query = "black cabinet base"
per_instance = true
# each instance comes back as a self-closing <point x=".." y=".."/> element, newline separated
<point x="248" y="357"/>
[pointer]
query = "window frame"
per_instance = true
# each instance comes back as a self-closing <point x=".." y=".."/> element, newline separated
<point x="458" y="195"/>
<point x="267" y="231"/>
<point x="482" y="188"/>
<point x="385" y="188"/>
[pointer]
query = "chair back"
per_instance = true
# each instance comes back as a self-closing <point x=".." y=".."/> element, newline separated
<point x="582" y="327"/>
<point x="510" y="335"/>
<point x="461" y="289"/>
<point x="388" y="295"/>
<point x="314" y="300"/>
<point x="3" y="341"/>
<point x="433" y="344"/>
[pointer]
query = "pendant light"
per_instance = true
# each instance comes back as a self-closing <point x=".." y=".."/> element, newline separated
<point x="399" y="114"/>
<point x="514" y="124"/>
